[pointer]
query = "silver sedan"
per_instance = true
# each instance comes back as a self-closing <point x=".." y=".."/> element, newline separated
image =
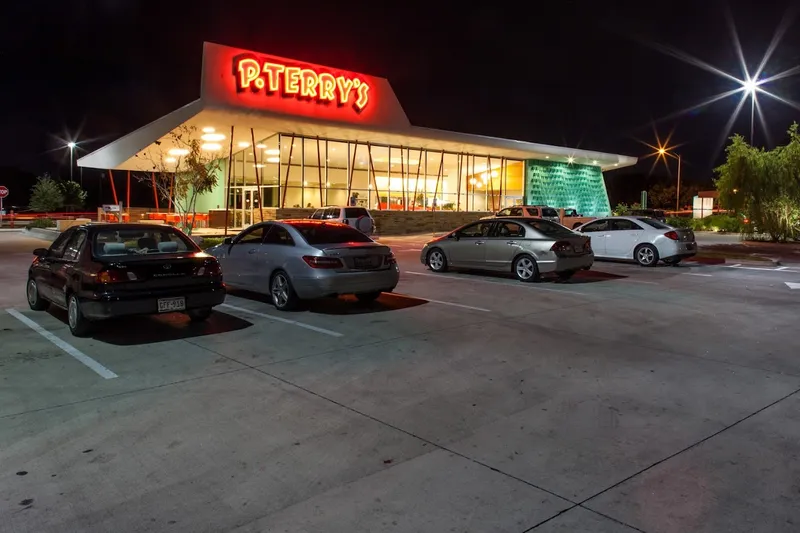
<point x="527" y="247"/>
<point x="294" y="260"/>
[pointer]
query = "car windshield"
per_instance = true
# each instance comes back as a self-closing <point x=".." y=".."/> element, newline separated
<point x="549" y="212"/>
<point x="550" y="229"/>
<point x="329" y="233"/>
<point x="355" y="212"/>
<point x="123" y="244"/>
<point x="653" y="223"/>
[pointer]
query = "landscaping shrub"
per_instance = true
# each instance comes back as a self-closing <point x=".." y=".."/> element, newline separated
<point x="42" y="223"/>
<point x="720" y="223"/>
<point x="208" y="242"/>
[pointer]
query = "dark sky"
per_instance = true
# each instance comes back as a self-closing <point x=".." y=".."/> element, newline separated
<point x="566" y="72"/>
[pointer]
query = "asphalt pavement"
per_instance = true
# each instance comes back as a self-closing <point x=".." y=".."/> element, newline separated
<point x="628" y="399"/>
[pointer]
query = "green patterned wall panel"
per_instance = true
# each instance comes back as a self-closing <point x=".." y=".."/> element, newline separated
<point x="566" y="185"/>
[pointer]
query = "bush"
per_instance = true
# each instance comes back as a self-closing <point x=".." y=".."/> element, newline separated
<point x="680" y="222"/>
<point x="208" y="242"/>
<point x="42" y="223"/>
<point x="46" y="195"/>
<point x="721" y="223"/>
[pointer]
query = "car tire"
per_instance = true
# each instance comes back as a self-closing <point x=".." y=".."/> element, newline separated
<point x="78" y="324"/>
<point x="282" y="293"/>
<point x="646" y="255"/>
<point x="368" y="296"/>
<point x="525" y="269"/>
<point x="675" y="261"/>
<point x="200" y="314"/>
<point x="565" y="275"/>
<point x="437" y="261"/>
<point x="35" y="300"/>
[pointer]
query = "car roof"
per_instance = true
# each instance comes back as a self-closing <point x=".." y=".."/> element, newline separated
<point x="116" y="226"/>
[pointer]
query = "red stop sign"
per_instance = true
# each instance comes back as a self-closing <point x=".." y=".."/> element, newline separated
<point x="3" y="191"/>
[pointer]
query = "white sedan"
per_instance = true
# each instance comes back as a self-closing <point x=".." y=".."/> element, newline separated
<point x="645" y="240"/>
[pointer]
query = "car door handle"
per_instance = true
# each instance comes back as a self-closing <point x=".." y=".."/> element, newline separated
<point x="478" y="243"/>
<point x="512" y="243"/>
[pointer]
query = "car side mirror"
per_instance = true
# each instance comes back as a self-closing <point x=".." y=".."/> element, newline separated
<point x="40" y="252"/>
<point x="227" y="240"/>
<point x="453" y="236"/>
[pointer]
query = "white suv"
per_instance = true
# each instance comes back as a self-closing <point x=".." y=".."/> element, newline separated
<point x="356" y="217"/>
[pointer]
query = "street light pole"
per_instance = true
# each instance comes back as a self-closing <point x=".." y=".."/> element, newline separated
<point x="752" y="115"/>
<point x="678" y="189"/>
<point x="71" y="146"/>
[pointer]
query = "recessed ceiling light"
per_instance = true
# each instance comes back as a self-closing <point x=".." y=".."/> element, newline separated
<point x="244" y="144"/>
<point x="208" y="129"/>
<point x="305" y="184"/>
<point x="212" y="137"/>
<point x="272" y="151"/>
<point x="570" y="159"/>
<point x="616" y="164"/>
<point x="594" y="162"/>
<point x="273" y="159"/>
<point x="259" y="165"/>
<point x="213" y="147"/>
<point x="170" y="160"/>
<point x="547" y="157"/>
<point x="178" y="151"/>
<point x="259" y="145"/>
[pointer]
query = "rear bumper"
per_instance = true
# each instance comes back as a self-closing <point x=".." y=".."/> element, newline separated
<point x="333" y="283"/>
<point x="679" y="250"/>
<point x="566" y="264"/>
<point x="109" y="305"/>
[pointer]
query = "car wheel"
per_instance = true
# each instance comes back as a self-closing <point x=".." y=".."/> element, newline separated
<point x="525" y="268"/>
<point x="564" y="276"/>
<point x="646" y="255"/>
<point x="78" y="324"/>
<point x="675" y="261"/>
<point x="368" y="296"/>
<point x="35" y="300"/>
<point x="283" y="296"/>
<point x="437" y="260"/>
<point x="200" y="314"/>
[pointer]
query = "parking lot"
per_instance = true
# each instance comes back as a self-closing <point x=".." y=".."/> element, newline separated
<point x="627" y="399"/>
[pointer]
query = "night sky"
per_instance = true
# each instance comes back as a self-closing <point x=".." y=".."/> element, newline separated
<point x="584" y="74"/>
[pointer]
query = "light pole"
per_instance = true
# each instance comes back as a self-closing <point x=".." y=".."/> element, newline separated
<point x="664" y="153"/>
<point x="71" y="145"/>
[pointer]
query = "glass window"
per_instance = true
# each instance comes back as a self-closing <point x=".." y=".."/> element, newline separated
<point x="253" y="235"/>
<point x="549" y="212"/>
<point x="317" y="215"/>
<point x="533" y="212"/>
<point x="654" y="223"/>
<point x="132" y="243"/>
<point x="331" y="213"/>
<point x="316" y="233"/>
<point x="479" y="229"/>
<point x="597" y="225"/>
<point x="509" y="229"/>
<point x="278" y="235"/>
<point x="623" y="224"/>
<point x="504" y="212"/>
<point x="516" y="212"/>
<point x="57" y="248"/>
<point x="74" y="246"/>
<point x="355" y="212"/>
<point x="550" y="229"/>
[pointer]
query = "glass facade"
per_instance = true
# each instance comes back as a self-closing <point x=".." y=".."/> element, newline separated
<point x="296" y="171"/>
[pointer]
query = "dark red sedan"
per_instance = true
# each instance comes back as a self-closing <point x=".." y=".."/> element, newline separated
<point x="99" y="271"/>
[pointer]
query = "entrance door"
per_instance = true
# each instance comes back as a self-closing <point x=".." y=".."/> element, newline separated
<point x="249" y="205"/>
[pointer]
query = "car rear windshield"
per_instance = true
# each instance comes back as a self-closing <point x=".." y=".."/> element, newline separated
<point x="123" y="244"/>
<point x="653" y="223"/>
<point x="550" y="229"/>
<point x="329" y="233"/>
<point x="355" y="212"/>
<point x="549" y="212"/>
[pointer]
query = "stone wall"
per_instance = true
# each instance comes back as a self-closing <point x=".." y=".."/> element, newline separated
<point x="387" y="222"/>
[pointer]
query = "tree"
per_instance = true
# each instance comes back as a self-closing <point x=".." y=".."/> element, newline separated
<point x="765" y="184"/>
<point x="46" y="195"/>
<point x="74" y="197"/>
<point x="661" y="197"/>
<point x="184" y="174"/>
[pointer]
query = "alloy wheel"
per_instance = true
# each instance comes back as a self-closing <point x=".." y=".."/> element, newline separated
<point x="32" y="292"/>
<point x="280" y="290"/>
<point x="436" y="260"/>
<point x="525" y="268"/>
<point x="646" y="255"/>
<point x="72" y="313"/>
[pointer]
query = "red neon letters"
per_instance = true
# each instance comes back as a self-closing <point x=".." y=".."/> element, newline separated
<point x="303" y="83"/>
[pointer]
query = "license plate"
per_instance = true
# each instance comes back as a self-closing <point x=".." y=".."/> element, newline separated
<point x="362" y="262"/>
<point x="168" y="305"/>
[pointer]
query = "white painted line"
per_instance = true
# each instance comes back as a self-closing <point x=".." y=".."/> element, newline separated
<point x="479" y="280"/>
<point x="67" y="347"/>
<point x="782" y="270"/>
<point x="792" y="285"/>
<point x="734" y="266"/>
<point x="440" y="302"/>
<point x="284" y="320"/>
<point x="635" y="281"/>
<point x="695" y="274"/>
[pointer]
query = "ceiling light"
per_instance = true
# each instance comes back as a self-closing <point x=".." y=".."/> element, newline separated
<point x="547" y="157"/>
<point x="273" y="159"/>
<point x="178" y="151"/>
<point x="212" y="137"/>
<point x="272" y="151"/>
<point x="305" y="184"/>
<point x="327" y="184"/>
<point x="170" y="160"/>
<point x="570" y="159"/>
<point x="208" y="129"/>
<point x="259" y="165"/>
<point x="259" y="145"/>
<point x="244" y="144"/>
<point x="594" y="162"/>
<point x="616" y="164"/>
<point x="212" y="147"/>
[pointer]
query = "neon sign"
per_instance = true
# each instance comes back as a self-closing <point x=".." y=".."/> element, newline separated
<point x="301" y="83"/>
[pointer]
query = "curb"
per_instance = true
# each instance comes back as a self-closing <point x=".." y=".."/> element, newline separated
<point x="42" y="233"/>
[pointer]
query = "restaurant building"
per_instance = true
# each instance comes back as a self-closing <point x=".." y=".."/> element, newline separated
<point x="292" y="136"/>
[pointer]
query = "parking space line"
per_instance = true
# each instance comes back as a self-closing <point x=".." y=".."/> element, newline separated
<point x="625" y="280"/>
<point x="696" y="274"/>
<point x="285" y="320"/>
<point x="477" y="280"/>
<point x="780" y="270"/>
<point x="453" y="304"/>
<point x="68" y="348"/>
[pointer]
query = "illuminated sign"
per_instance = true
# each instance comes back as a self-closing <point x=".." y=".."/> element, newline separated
<point x="275" y="78"/>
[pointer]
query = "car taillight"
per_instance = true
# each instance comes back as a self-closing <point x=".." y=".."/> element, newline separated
<point x="390" y="259"/>
<point x="671" y="235"/>
<point x="115" y="276"/>
<point x="209" y="269"/>
<point x="587" y="246"/>
<point x="561" y="246"/>
<point x="315" y="261"/>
